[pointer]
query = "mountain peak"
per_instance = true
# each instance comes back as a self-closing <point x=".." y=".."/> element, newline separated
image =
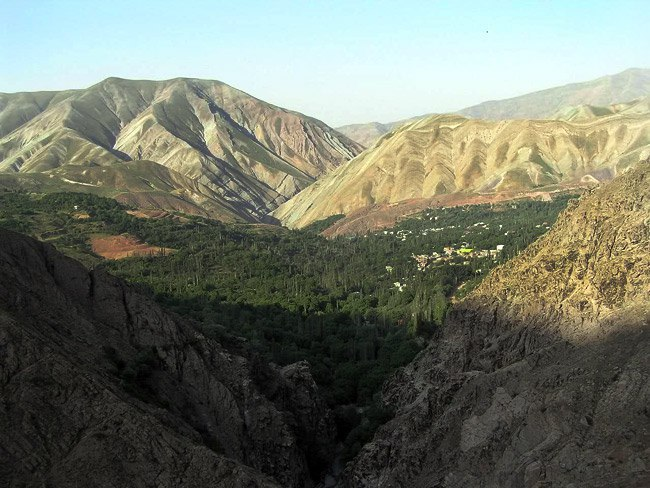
<point x="249" y="155"/>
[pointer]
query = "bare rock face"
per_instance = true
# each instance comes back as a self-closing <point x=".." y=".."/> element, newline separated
<point x="294" y="391"/>
<point x="101" y="387"/>
<point x="540" y="377"/>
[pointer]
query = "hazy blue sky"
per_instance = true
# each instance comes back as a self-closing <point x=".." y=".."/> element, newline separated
<point x="341" y="61"/>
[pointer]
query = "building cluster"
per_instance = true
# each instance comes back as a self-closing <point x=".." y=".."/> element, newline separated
<point x="449" y="252"/>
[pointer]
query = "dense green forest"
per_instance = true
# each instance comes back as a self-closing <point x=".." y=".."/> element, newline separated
<point x="356" y="308"/>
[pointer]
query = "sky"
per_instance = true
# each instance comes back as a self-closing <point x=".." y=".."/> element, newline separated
<point x="343" y="62"/>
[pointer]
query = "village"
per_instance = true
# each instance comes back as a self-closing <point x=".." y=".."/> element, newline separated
<point x="451" y="256"/>
<point x="450" y="252"/>
<point x="463" y="242"/>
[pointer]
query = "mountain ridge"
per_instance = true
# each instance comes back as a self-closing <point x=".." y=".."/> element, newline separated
<point x="449" y="154"/>
<point x="605" y="90"/>
<point x="587" y="112"/>
<point x="367" y="134"/>
<point x="254" y="154"/>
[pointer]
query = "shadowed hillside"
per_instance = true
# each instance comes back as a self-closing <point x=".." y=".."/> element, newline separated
<point x="540" y="377"/>
<point x="101" y="387"/>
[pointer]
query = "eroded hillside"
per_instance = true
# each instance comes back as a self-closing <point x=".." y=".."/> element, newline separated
<point x="449" y="154"/>
<point x="252" y="154"/>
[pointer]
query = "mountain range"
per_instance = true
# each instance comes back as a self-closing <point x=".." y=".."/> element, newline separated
<point x="451" y="155"/>
<point x="607" y="90"/>
<point x="530" y="372"/>
<point x="205" y="148"/>
<point x="215" y="144"/>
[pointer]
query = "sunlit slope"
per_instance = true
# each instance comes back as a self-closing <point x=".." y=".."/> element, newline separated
<point x="255" y="155"/>
<point x="450" y="154"/>
<point x="583" y="113"/>
<point x="575" y="101"/>
<point x="140" y="184"/>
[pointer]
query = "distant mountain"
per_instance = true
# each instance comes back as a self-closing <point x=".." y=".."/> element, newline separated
<point x="368" y="134"/>
<point x="583" y="113"/>
<point x="449" y="154"/>
<point x="607" y="90"/>
<point x="540" y="377"/>
<point x="251" y="154"/>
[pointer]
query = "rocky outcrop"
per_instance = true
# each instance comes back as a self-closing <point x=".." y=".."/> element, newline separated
<point x="297" y="394"/>
<point x="541" y="376"/>
<point x="99" y="386"/>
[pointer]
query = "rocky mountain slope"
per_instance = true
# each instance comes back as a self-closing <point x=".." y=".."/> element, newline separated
<point x="252" y="154"/>
<point x="141" y="184"/>
<point x="101" y="387"/>
<point x="541" y="376"/>
<point x="606" y="90"/>
<point x="449" y="154"/>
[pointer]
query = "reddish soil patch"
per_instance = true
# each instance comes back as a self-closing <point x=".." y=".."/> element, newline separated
<point x="124" y="246"/>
